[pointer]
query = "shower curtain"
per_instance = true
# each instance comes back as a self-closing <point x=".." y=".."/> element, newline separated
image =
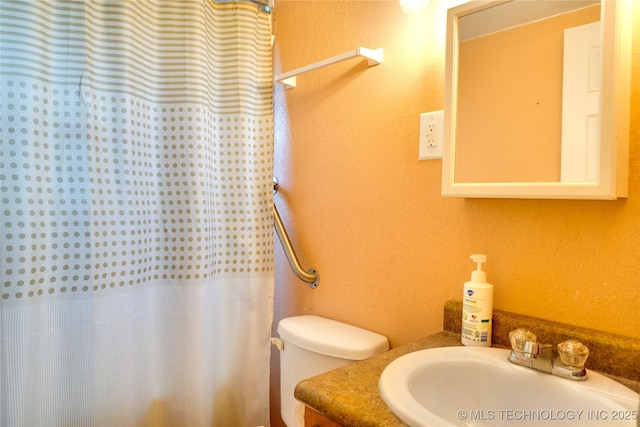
<point x="136" y="231"/>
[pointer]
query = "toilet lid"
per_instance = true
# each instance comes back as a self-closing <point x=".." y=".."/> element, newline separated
<point x="331" y="338"/>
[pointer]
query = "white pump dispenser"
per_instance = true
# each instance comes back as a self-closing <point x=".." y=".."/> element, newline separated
<point x="477" y="307"/>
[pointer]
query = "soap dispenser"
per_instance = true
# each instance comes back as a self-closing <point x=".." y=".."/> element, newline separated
<point x="477" y="307"/>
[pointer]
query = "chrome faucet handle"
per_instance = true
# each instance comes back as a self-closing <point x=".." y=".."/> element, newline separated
<point x="526" y="351"/>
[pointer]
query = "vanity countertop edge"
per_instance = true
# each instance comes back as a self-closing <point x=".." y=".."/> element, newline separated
<point x="350" y="396"/>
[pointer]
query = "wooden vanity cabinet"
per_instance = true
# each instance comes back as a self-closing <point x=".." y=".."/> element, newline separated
<point x="316" y="419"/>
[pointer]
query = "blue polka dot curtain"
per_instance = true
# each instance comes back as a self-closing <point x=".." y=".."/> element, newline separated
<point x="136" y="237"/>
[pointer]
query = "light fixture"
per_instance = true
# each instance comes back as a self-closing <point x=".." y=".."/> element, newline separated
<point x="414" y="6"/>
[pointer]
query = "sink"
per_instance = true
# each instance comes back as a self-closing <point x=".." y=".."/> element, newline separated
<point x="478" y="386"/>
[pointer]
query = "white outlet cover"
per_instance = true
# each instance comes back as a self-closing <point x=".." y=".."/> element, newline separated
<point x="429" y="151"/>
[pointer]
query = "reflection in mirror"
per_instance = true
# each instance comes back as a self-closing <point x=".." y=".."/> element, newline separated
<point x="519" y="136"/>
<point x="524" y="98"/>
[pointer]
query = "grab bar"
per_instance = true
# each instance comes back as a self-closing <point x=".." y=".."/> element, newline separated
<point x="310" y="276"/>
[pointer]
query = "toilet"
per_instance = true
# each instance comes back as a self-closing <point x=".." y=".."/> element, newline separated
<point x="312" y="345"/>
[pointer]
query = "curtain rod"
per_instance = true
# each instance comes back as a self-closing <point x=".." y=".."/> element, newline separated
<point x="264" y="5"/>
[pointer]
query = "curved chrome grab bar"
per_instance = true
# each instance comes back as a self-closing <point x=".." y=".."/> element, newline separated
<point x="310" y="276"/>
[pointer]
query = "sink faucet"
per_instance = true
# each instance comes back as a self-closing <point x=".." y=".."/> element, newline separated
<point x="526" y="351"/>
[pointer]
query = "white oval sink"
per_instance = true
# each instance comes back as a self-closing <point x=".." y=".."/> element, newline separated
<point x="478" y="386"/>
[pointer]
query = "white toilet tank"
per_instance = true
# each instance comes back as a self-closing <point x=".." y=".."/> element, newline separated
<point x="314" y="345"/>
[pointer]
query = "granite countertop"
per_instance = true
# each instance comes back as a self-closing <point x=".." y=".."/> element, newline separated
<point x="349" y="395"/>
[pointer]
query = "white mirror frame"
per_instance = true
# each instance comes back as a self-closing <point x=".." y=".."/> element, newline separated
<point x="616" y="16"/>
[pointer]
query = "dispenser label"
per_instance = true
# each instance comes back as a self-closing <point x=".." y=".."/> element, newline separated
<point x="471" y="307"/>
<point x="476" y="316"/>
<point x="473" y="332"/>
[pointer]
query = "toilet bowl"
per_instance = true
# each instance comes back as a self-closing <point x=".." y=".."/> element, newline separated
<point x="311" y="345"/>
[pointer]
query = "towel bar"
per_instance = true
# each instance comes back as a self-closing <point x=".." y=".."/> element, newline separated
<point x="373" y="56"/>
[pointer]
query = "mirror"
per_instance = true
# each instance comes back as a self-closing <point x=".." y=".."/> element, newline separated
<point x="537" y="99"/>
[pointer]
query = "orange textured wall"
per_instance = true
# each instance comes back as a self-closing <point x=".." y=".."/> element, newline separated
<point x="363" y="211"/>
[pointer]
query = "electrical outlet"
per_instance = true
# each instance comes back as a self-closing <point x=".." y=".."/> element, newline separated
<point x="431" y="135"/>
